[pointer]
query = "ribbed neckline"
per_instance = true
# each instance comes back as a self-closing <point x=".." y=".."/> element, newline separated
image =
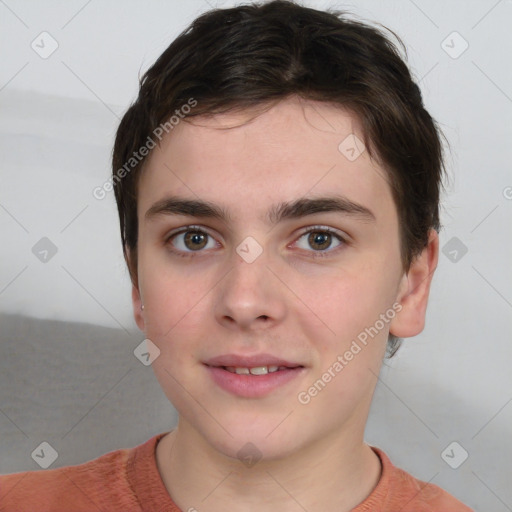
<point x="147" y="484"/>
<point x="145" y="480"/>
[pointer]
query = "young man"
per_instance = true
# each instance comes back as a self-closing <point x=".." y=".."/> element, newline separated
<point x="278" y="182"/>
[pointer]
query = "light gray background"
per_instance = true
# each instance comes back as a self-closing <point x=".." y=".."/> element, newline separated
<point x="68" y="373"/>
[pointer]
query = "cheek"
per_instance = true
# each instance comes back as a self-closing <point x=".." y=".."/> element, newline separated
<point x="346" y="304"/>
<point x="172" y="292"/>
<point x="349" y="346"/>
<point x="174" y="316"/>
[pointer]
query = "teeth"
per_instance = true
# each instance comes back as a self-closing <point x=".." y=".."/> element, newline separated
<point x="257" y="370"/>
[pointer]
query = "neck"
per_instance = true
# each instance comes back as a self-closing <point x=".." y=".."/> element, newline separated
<point x="331" y="474"/>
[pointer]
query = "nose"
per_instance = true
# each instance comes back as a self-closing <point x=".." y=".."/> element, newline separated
<point x="250" y="297"/>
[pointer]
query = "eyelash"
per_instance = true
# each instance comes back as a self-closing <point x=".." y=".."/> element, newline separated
<point x="312" y="229"/>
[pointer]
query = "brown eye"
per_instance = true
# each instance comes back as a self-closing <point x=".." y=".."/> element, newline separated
<point x="190" y="240"/>
<point x="195" y="240"/>
<point x="319" y="240"/>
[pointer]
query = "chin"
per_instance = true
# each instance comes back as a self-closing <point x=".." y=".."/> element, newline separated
<point x="255" y="442"/>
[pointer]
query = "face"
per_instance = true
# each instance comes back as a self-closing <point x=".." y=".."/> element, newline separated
<point x="283" y="290"/>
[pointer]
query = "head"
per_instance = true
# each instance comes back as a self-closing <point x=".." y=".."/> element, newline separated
<point x="249" y="108"/>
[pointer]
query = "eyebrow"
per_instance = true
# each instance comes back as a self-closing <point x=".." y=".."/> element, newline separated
<point x="299" y="208"/>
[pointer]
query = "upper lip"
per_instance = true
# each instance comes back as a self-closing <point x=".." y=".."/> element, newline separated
<point x="239" y="361"/>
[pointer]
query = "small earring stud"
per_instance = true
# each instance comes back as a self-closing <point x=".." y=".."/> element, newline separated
<point x="142" y="307"/>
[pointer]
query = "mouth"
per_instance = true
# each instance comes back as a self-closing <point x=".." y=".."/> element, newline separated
<point x="253" y="376"/>
<point x="257" y="370"/>
<point x="234" y="361"/>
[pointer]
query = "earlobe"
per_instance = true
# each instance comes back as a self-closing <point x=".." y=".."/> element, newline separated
<point x="138" y="306"/>
<point x="414" y="291"/>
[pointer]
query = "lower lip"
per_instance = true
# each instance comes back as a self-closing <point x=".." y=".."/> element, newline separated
<point x="252" y="386"/>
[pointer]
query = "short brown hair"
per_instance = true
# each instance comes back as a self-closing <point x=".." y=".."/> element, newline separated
<point x="250" y="55"/>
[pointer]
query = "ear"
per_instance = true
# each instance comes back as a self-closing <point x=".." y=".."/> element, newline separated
<point x="138" y="313"/>
<point x="414" y="290"/>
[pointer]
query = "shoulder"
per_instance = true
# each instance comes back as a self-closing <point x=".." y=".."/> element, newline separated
<point x="413" y="495"/>
<point x="88" y="486"/>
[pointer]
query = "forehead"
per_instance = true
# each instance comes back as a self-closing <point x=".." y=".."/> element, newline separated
<point x="246" y="160"/>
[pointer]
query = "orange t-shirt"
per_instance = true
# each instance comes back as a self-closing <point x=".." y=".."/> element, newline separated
<point x="128" y="481"/>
